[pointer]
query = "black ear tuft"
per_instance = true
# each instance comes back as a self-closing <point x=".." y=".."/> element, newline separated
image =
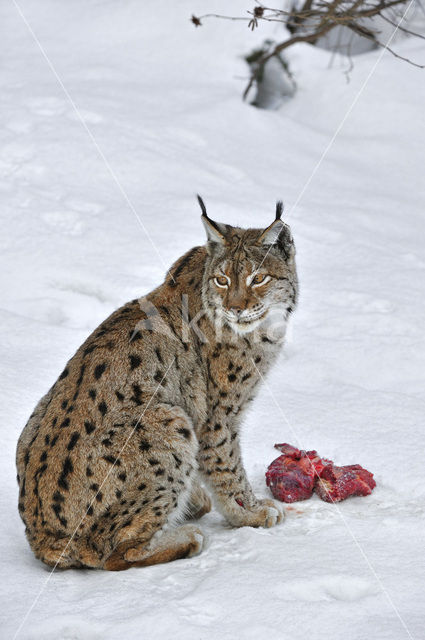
<point x="214" y="231"/>
<point x="279" y="209"/>
<point x="202" y="205"/>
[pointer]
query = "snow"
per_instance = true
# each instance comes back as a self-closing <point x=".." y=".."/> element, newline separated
<point x="160" y="101"/>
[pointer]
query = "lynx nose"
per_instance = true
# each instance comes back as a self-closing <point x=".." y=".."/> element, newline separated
<point x="236" y="311"/>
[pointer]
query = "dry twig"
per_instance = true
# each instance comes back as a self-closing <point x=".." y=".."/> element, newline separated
<point x="313" y="19"/>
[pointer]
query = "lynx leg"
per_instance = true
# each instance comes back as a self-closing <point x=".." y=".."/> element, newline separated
<point x="199" y="502"/>
<point x="184" y="542"/>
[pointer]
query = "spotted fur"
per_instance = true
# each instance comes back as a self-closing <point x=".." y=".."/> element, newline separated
<point x="150" y="405"/>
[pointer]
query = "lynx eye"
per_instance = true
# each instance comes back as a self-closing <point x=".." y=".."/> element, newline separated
<point x="260" y="278"/>
<point x="221" y="281"/>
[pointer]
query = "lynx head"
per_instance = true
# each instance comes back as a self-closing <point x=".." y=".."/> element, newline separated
<point x="249" y="272"/>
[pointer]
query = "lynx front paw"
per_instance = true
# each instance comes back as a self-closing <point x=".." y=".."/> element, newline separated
<point x="277" y="513"/>
<point x="265" y="513"/>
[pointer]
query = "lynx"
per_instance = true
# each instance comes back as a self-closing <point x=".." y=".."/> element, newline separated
<point x="111" y="461"/>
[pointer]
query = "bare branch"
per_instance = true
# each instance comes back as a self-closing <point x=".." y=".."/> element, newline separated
<point x="314" y="19"/>
<point x="396" y="55"/>
<point x="410" y="33"/>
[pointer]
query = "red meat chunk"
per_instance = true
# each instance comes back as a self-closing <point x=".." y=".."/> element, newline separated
<point x="337" y="483"/>
<point x="290" y="479"/>
<point x="292" y="476"/>
<point x="295" y="474"/>
<point x="289" y="450"/>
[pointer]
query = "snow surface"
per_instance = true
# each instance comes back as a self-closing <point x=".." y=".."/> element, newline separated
<point x="162" y="101"/>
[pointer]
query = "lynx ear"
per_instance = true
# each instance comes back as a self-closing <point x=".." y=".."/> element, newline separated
<point x="274" y="232"/>
<point x="213" y="231"/>
<point x="278" y="235"/>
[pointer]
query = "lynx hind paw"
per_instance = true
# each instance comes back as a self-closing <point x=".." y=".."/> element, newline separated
<point x="193" y="536"/>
